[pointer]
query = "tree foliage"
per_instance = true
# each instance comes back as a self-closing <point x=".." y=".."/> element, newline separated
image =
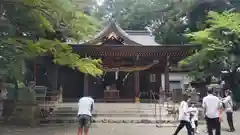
<point x="30" y="28"/>
<point x="168" y="20"/>
<point x="220" y="48"/>
<point x="132" y="14"/>
<point x="187" y="16"/>
<point x="164" y="18"/>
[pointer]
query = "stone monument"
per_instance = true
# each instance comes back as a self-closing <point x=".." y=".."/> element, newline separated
<point x="27" y="111"/>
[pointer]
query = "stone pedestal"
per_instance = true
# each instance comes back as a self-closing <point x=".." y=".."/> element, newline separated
<point x="177" y="95"/>
<point x="26" y="111"/>
<point x="25" y="115"/>
<point x="194" y="97"/>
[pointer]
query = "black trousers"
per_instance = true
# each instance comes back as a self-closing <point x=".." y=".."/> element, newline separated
<point x="230" y="120"/>
<point x="213" y="123"/>
<point x="183" y="123"/>
<point x="196" y="123"/>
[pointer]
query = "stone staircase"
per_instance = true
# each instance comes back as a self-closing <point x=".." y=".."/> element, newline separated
<point x="66" y="113"/>
<point x="113" y="113"/>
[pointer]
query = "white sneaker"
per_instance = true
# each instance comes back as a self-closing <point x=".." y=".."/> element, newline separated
<point x="205" y="131"/>
<point x="197" y="132"/>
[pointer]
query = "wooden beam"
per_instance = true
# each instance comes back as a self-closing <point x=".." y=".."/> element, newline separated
<point x="166" y="74"/>
<point x="85" y="91"/>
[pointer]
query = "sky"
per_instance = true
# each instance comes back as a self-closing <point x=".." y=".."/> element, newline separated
<point x="100" y="2"/>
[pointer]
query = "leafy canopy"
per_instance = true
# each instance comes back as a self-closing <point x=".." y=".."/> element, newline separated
<point x="220" y="46"/>
<point x="133" y="14"/>
<point x="30" y="28"/>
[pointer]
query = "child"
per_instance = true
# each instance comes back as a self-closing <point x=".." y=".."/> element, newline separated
<point x="193" y="126"/>
<point x="194" y="118"/>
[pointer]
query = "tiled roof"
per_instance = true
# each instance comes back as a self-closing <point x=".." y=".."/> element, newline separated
<point x="142" y="37"/>
<point x="132" y="38"/>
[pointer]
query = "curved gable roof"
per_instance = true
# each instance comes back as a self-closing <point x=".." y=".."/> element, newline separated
<point x="132" y="38"/>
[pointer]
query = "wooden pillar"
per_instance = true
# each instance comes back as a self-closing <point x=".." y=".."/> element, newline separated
<point x="35" y="72"/>
<point x="136" y="83"/>
<point x="166" y="75"/>
<point x="52" y="77"/>
<point x="55" y="78"/>
<point x="85" y="91"/>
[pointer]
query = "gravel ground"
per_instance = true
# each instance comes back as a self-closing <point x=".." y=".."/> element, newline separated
<point x="109" y="129"/>
<point x="100" y="129"/>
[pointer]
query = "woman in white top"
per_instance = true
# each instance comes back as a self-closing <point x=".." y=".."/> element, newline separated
<point x="228" y="104"/>
<point x="184" y="117"/>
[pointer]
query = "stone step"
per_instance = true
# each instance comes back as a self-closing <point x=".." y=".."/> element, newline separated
<point x="109" y="120"/>
<point x="109" y="106"/>
<point x="112" y="114"/>
<point x="68" y="111"/>
<point x="115" y="110"/>
<point x="148" y="120"/>
<point x="118" y="105"/>
<point x="108" y="111"/>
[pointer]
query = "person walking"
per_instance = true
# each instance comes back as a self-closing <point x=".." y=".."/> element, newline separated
<point x="184" y="117"/>
<point x="194" y="120"/>
<point x="228" y="105"/>
<point x="85" y="109"/>
<point x="3" y="97"/>
<point x="211" y="105"/>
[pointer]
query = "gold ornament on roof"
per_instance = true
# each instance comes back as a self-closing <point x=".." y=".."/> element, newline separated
<point x="112" y="35"/>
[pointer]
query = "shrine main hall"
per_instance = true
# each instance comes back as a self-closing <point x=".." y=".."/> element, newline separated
<point x="134" y="65"/>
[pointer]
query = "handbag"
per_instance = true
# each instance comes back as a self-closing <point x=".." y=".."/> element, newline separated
<point x="234" y="106"/>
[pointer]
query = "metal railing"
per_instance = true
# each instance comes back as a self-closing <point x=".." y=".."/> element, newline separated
<point x="47" y="100"/>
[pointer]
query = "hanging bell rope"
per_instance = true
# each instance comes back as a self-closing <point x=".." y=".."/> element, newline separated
<point x="125" y="78"/>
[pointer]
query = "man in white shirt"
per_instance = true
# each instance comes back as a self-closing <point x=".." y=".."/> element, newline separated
<point x="184" y="116"/>
<point x="212" y="105"/>
<point x="85" y="109"/>
<point x="228" y="103"/>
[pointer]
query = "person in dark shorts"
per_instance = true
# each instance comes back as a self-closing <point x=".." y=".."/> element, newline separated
<point x="85" y="109"/>
<point x="212" y="106"/>
<point x="84" y="121"/>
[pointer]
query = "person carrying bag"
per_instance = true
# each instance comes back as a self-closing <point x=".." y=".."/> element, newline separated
<point x="229" y="106"/>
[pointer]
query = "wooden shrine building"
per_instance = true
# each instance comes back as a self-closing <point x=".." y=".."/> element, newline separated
<point x="133" y="64"/>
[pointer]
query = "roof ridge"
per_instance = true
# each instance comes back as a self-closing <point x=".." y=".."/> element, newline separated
<point x="137" y="31"/>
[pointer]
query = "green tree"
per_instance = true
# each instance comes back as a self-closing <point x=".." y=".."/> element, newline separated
<point x="164" y="18"/>
<point x="168" y="20"/>
<point x="132" y="14"/>
<point x="220" y="49"/>
<point x="188" y="16"/>
<point x="30" y="28"/>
